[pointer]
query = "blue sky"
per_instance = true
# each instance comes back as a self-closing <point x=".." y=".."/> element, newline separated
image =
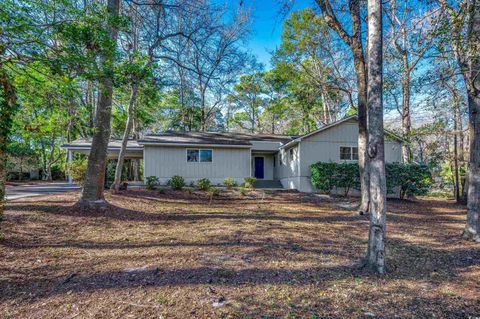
<point x="266" y="25"/>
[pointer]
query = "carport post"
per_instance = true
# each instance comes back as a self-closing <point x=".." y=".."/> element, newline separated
<point x="69" y="159"/>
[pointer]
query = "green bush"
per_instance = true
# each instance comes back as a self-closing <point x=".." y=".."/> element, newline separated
<point x="326" y="176"/>
<point x="204" y="184"/>
<point x="176" y="182"/>
<point x="78" y="169"/>
<point x="229" y="182"/>
<point x="250" y="182"/>
<point x="244" y="191"/>
<point x="321" y="176"/>
<point x="214" y="191"/>
<point x="410" y="179"/>
<point x="152" y="182"/>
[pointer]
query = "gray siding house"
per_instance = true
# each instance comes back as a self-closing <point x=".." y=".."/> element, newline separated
<point x="279" y="159"/>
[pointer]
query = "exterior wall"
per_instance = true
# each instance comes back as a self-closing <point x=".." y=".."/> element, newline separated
<point x="287" y="168"/>
<point x="325" y="147"/>
<point x="167" y="161"/>
<point x="267" y="165"/>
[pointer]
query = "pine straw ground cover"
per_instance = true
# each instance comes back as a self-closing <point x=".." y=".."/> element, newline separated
<point x="282" y="254"/>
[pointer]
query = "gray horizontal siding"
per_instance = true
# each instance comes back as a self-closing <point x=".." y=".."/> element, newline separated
<point x="165" y="162"/>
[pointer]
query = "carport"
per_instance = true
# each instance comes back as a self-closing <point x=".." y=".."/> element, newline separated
<point x="134" y="151"/>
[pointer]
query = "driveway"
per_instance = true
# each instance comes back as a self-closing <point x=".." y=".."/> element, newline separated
<point x="38" y="189"/>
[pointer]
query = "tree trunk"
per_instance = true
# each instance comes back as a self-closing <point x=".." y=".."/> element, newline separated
<point x="455" y="151"/>
<point x="375" y="259"/>
<point x="92" y="193"/>
<point x="363" y="160"/>
<point x="406" y="118"/>
<point x="470" y="66"/>
<point x="472" y="227"/>
<point x="128" y="127"/>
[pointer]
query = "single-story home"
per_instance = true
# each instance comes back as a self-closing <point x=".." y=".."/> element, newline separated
<point x="275" y="160"/>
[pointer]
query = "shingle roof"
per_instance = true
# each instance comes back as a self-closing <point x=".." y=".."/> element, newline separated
<point x="113" y="144"/>
<point x="212" y="138"/>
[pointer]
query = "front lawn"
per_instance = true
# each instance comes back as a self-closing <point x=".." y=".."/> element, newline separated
<point x="279" y="254"/>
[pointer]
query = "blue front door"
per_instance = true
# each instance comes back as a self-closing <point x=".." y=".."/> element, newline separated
<point x="259" y="167"/>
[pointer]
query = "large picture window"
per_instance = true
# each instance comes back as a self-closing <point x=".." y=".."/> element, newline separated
<point x="349" y="153"/>
<point x="198" y="155"/>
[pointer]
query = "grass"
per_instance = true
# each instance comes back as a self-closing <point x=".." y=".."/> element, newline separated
<point x="273" y="255"/>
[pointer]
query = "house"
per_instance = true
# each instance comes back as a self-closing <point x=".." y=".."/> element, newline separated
<point x="273" y="159"/>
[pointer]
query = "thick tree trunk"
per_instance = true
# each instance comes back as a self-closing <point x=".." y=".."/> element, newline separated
<point x="126" y="133"/>
<point x="469" y="63"/>
<point x="472" y="227"/>
<point x="92" y="193"/>
<point x="375" y="259"/>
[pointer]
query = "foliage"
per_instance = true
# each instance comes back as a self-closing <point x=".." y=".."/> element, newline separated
<point x="152" y="182"/>
<point x="78" y="168"/>
<point x="176" y="182"/>
<point x="250" y="182"/>
<point x="204" y="184"/>
<point x="409" y="179"/>
<point x="213" y="191"/>
<point x="244" y="191"/>
<point x="229" y="182"/>
<point x="321" y="177"/>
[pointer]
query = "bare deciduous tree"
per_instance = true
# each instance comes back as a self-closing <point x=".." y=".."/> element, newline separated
<point x="354" y="42"/>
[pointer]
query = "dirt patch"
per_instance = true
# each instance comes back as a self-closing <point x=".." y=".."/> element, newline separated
<point x="267" y="254"/>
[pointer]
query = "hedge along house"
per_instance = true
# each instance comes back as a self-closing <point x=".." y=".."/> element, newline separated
<point x="275" y="160"/>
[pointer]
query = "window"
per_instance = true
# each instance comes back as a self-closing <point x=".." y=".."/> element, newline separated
<point x="355" y="153"/>
<point x="195" y="156"/>
<point x="349" y="153"/>
<point x="274" y="160"/>
<point x="291" y="153"/>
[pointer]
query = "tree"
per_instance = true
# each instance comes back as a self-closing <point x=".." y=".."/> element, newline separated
<point x="463" y="25"/>
<point x="412" y="33"/>
<point x="92" y="193"/>
<point x="249" y="98"/>
<point x="354" y="42"/>
<point x="375" y="259"/>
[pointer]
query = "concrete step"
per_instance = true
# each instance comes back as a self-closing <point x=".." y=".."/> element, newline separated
<point x="264" y="183"/>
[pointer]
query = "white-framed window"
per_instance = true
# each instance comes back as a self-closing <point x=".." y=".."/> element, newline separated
<point x="348" y="153"/>
<point x="199" y="155"/>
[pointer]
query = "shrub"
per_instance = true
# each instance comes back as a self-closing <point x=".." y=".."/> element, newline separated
<point x="250" y="182"/>
<point x="243" y="191"/>
<point x="151" y="182"/>
<point x="176" y="182"/>
<point x="321" y="176"/>
<point x="229" y="182"/>
<point x="411" y="179"/>
<point x="204" y="184"/>
<point x="214" y="191"/>
<point x="346" y="175"/>
<point x="78" y="169"/>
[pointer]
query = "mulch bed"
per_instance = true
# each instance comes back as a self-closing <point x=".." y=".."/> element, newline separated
<point x="263" y="255"/>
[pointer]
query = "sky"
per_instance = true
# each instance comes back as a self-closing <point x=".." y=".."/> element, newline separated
<point x="266" y="25"/>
